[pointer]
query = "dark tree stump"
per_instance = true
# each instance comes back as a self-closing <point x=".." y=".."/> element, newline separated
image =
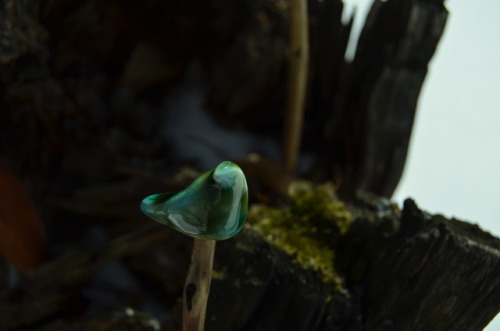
<point x="431" y="273"/>
<point x="402" y="271"/>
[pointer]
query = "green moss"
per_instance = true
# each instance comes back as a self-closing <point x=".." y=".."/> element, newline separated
<point x="308" y="228"/>
<point x="219" y="274"/>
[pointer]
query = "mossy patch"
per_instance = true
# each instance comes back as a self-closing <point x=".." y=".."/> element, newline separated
<point x="309" y="228"/>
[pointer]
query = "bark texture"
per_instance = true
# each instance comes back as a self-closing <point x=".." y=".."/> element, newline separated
<point x="405" y="270"/>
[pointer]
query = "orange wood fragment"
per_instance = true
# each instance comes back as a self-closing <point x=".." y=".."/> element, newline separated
<point x="22" y="240"/>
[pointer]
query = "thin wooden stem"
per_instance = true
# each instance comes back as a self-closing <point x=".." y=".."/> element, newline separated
<point x="197" y="286"/>
<point x="299" y="59"/>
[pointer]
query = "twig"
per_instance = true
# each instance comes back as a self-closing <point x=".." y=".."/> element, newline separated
<point x="197" y="286"/>
<point x="299" y="59"/>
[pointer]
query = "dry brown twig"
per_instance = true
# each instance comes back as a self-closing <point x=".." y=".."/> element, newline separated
<point x="299" y="59"/>
<point x="198" y="282"/>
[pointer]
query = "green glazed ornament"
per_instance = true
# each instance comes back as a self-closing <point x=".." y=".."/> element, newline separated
<point x="213" y="207"/>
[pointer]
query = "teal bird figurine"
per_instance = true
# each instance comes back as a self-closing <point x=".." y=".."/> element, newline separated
<point x="213" y="207"/>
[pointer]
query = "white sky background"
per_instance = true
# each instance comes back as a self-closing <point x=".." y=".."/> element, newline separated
<point x="454" y="161"/>
<point x="453" y="166"/>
